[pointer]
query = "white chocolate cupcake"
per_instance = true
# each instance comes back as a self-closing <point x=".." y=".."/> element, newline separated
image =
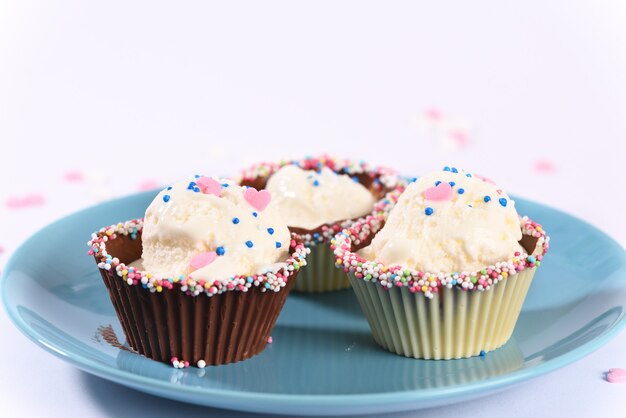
<point x="447" y="274"/>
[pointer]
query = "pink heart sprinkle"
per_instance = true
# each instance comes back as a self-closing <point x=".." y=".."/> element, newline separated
<point x="203" y="259"/>
<point x="485" y="179"/>
<point x="20" y="202"/>
<point x="209" y="186"/>
<point x="74" y="176"/>
<point x="257" y="199"/>
<point x="443" y="191"/>
<point x="616" y="376"/>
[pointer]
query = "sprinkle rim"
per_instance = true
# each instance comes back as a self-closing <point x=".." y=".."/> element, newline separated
<point x="269" y="281"/>
<point x="427" y="283"/>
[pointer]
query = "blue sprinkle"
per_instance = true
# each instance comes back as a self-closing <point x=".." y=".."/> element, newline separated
<point x="502" y="201"/>
<point x="249" y="244"/>
<point x="454" y="170"/>
<point x="225" y="184"/>
<point x="166" y="198"/>
<point x="461" y="191"/>
<point x="220" y="250"/>
<point x="453" y="282"/>
<point x="468" y="175"/>
<point x="451" y="183"/>
<point x="278" y="244"/>
<point x="429" y="211"/>
<point x="316" y="183"/>
<point x="487" y="199"/>
<point x="196" y="189"/>
<point x="267" y="285"/>
<point x="249" y="279"/>
<point x="413" y="179"/>
<point x="270" y="231"/>
<point x="235" y="221"/>
<point x="171" y="280"/>
<point x="482" y="353"/>
<point x="438" y="182"/>
<point x="169" y="187"/>
<point x="197" y="176"/>
<point x="255" y="214"/>
<point x="316" y="235"/>
<point x="355" y="179"/>
<point x="532" y="259"/>
<point x="470" y="206"/>
<point x="133" y="236"/>
<point x="446" y="168"/>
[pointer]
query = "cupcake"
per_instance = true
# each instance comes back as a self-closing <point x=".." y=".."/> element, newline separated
<point x="318" y="197"/>
<point x="202" y="278"/>
<point x="441" y="271"/>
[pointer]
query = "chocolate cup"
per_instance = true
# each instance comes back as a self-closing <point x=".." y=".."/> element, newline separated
<point x="224" y="328"/>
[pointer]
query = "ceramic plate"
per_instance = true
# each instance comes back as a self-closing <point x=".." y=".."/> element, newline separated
<point x="323" y="359"/>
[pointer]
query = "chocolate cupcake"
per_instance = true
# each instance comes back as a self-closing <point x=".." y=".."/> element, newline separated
<point x="318" y="197"/>
<point x="202" y="278"/>
<point x="442" y="270"/>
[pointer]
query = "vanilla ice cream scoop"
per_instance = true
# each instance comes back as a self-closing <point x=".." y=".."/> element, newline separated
<point x="448" y="221"/>
<point x="213" y="229"/>
<point x="308" y="198"/>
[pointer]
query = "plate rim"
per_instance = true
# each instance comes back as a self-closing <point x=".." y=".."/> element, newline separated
<point x="396" y="401"/>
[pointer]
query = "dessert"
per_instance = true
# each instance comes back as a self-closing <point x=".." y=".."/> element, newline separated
<point x="317" y="197"/>
<point x="202" y="278"/>
<point x="441" y="271"/>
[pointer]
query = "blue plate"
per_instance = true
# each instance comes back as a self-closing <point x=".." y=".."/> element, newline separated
<point x="323" y="359"/>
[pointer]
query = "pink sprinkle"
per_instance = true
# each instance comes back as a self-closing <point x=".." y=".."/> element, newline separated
<point x="203" y="259"/>
<point x="1" y="249"/>
<point x="21" y="202"/>
<point x="461" y="138"/>
<point x="148" y="185"/>
<point x="74" y="176"/>
<point x="433" y="114"/>
<point x="616" y="376"/>
<point x="209" y="186"/>
<point x="443" y="191"/>
<point x="544" y="166"/>
<point x="258" y="199"/>
<point x="269" y="339"/>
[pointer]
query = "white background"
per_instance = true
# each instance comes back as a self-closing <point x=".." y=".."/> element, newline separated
<point x="99" y="99"/>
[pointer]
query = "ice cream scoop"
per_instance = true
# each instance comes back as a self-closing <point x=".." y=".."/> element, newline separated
<point x="309" y="198"/>
<point x="448" y="221"/>
<point x="213" y="229"/>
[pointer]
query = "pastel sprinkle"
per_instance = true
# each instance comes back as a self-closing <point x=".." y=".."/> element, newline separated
<point x="249" y="244"/>
<point x="201" y="364"/>
<point x="270" y="340"/>
<point x="442" y="191"/>
<point x="502" y="201"/>
<point x="203" y="259"/>
<point x="616" y="376"/>
<point x="258" y="199"/>
<point x="209" y="185"/>
<point x="428" y="211"/>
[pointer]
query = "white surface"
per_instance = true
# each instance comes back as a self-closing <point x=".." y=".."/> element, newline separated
<point x="181" y="88"/>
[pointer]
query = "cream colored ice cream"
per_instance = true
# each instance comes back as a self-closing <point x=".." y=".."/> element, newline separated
<point x="308" y="198"/>
<point x="448" y="222"/>
<point x="213" y="229"/>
